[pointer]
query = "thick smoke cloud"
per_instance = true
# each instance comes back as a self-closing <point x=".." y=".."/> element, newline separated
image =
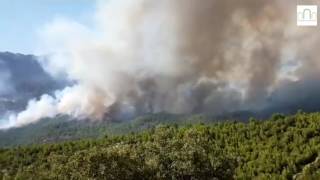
<point x="177" y="56"/>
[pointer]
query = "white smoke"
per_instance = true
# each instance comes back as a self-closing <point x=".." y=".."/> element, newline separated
<point x="5" y="81"/>
<point x="178" y="56"/>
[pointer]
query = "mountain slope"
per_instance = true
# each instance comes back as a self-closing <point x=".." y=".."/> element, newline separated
<point x="64" y="128"/>
<point x="22" y="78"/>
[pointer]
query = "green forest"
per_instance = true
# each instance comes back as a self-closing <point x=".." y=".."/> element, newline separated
<point x="282" y="147"/>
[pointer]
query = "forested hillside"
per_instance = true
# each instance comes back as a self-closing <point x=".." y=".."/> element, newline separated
<point x="283" y="147"/>
<point x="63" y="128"/>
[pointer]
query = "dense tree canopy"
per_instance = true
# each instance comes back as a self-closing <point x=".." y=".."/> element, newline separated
<point x="283" y="147"/>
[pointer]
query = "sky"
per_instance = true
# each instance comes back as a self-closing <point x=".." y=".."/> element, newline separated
<point x="21" y="20"/>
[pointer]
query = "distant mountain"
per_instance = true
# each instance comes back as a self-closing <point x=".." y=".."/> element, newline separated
<point x="22" y="78"/>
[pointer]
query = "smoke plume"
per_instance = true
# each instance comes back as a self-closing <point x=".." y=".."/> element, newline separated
<point x="177" y="56"/>
<point x="5" y="85"/>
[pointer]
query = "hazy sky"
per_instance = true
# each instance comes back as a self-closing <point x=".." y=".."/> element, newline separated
<point x="21" y="19"/>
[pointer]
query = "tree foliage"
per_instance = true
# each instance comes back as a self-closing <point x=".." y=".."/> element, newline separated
<point x="284" y="147"/>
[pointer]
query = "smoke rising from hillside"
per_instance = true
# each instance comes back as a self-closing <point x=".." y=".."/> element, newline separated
<point x="5" y="85"/>
<point x="176" y="56"/>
